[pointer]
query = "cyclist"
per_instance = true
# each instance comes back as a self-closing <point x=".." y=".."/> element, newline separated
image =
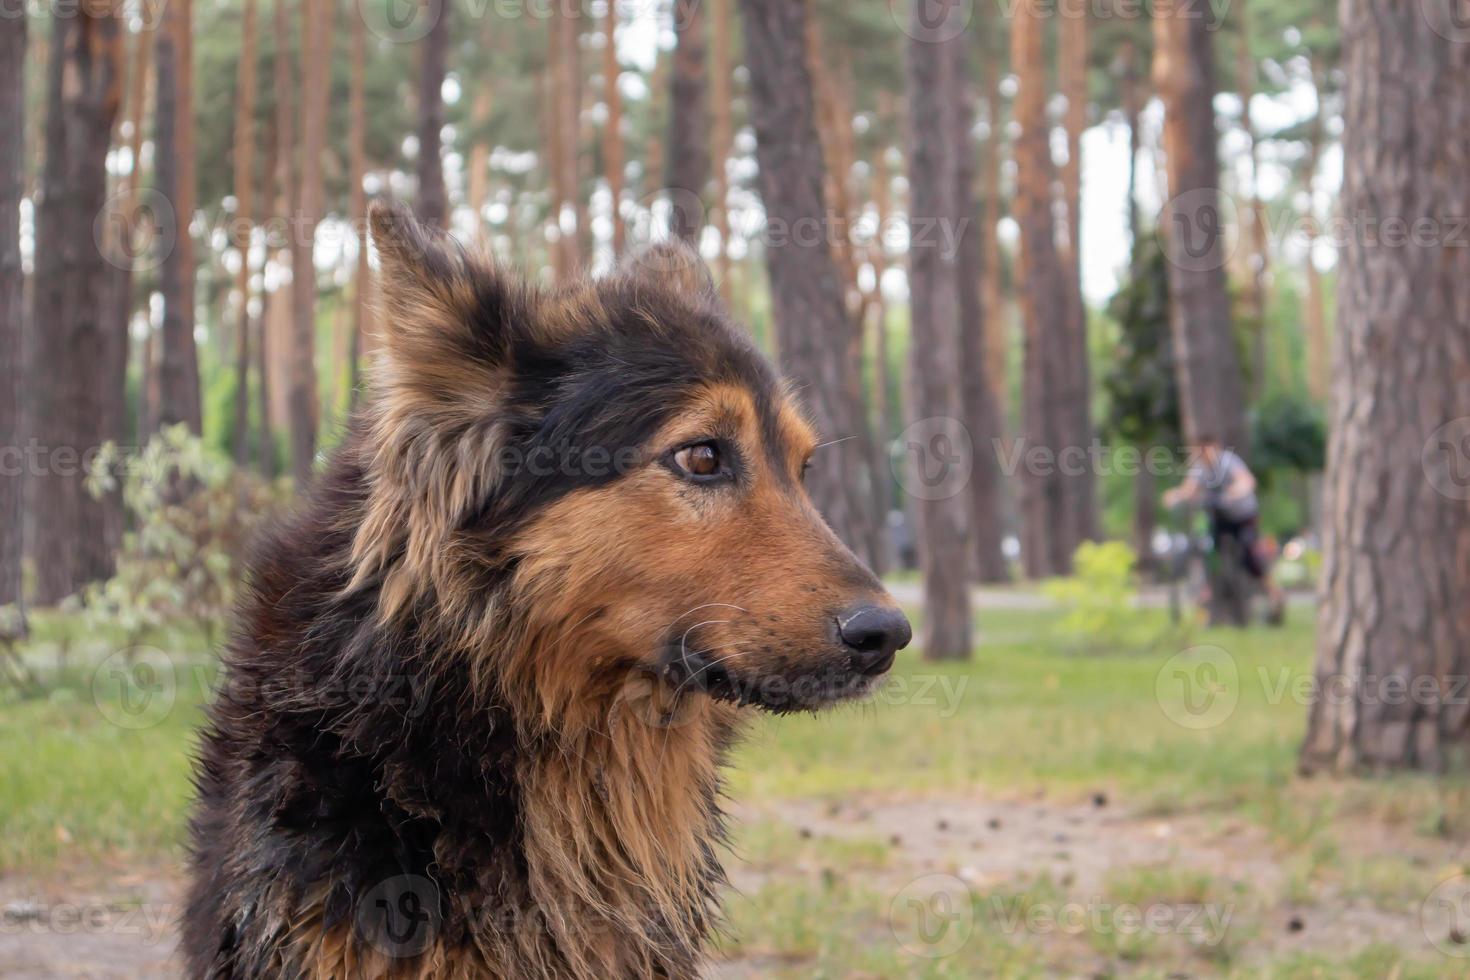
<point x="1220" y="479"/>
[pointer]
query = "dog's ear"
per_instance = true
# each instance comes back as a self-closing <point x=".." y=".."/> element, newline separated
<point x="424" y="285"/>
<point x="434" y="432"/>
<point x="671" y="264"/>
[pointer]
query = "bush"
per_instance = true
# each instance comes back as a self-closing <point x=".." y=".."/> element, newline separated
<point x="1099" y="602"/>
<point x="190" y="515"/>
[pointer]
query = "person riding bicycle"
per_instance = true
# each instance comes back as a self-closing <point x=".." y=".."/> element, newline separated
<point x="1221" y="480"/>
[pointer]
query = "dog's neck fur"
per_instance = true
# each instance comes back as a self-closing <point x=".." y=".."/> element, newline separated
<point x="616" y="786"/>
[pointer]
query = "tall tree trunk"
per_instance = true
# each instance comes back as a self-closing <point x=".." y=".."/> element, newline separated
<point x="831" y="85"/>
<point x="1079" y="478"/>
<point x="316" y="50"/>
<point x="432" y="204"/>
<point x="244" y="212"/>
<point x="479" y="164"/>
<point x="84" y="91"/>
<point x="977" y="400"/>
<point x="12" y="300"/>
<point x="562" y="136"/>
<point x="688" y="143"/>
<point x="997" y="332"/>
<point x="658" y="95"/>
<point x="357" y="173"/>
<point x="280" y="190"/>
<point x="1145" y="516"/>
<point x="881" y="412"/>
<point x="612" y="129"/>
<point x="806" y="292"/>
<point x="1393" y="624"/>
<point x="1256" y="256"/>
<point x="178" y="363"/>
<point x="1212" y="399"/>
<point x="722" y="140"/>
<point x="1045" y="546"/>
<point x="935" y="349"/>
<point x="1316" y="314"/>
<point x="117" y="304"/>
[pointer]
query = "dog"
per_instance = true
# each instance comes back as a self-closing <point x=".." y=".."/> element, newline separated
<point x="478" y="695"/>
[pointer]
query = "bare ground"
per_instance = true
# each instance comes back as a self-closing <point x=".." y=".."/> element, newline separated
<point x="120" y="923"/>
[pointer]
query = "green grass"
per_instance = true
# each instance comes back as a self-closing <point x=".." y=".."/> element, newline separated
<point x="81" y="781"/>
<point x="1025" y="713"/>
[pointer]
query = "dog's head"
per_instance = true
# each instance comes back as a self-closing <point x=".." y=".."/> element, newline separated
<point x="610" y="470"/>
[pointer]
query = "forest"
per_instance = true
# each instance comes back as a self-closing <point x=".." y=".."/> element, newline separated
<point x="1059" y="284"/>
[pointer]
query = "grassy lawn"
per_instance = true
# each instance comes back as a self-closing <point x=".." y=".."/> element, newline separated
<point x="1198" y="734"/>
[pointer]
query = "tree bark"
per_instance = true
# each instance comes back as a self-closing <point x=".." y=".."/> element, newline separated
<point x="244" y="212"/>
<point x="935" y="345"/>
<point x="432" y="204"/>
<point x="881" y="411"/>
<point x="178" y="362"/>
<point x="722" y="111"/>
<point x="688" y="142"/>
<point x="1316" y="314"/>
<point x="806" y="292"/>
<point x="12" y="298"/>
<point x="357" y="173"/>
<point x="316" y="49"/>
<point x="69" y="421"/>
<point x="977" y="400"/>
<point x="1145" y="517"/>
<point x="1044" y="309"/>
<point x="1396" y="566"/>
<point x="562" y="137"/>
<point x="997" y="332"/>
<point x="1211" y="393"/>
<point x="612" y="130"/>
<point x="280" y="190"/>
<point x="1256" y="257"/>
<point x="1079" y="478"/>
<point x="831" y="87"/>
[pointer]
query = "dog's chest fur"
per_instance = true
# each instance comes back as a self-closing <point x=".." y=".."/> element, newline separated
<point x="364" y="813"/>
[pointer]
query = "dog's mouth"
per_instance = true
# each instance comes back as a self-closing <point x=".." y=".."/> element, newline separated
<point x="786" y="687"/>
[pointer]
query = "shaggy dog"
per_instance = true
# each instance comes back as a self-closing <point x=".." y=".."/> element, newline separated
<point x="478" y="697"/>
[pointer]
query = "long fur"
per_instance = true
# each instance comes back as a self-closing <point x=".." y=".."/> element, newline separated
<point x="458" y="736"/>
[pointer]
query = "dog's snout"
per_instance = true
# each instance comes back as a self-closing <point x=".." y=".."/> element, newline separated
<point x="874" y="634"/>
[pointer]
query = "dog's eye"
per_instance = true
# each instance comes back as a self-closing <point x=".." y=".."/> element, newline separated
<point x="806" y="467"/>
<point x="699" y="460"/>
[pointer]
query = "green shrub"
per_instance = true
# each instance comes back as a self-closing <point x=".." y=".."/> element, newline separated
<point x="1099" y="602"/>
<point x="191" y="515"/>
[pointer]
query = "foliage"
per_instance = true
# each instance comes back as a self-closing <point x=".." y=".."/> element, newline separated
<point x="192" y="515"/>
<point x="1288" y="433"/>
<point x="1141" y="386"/>
<point x="1099" y="602"/>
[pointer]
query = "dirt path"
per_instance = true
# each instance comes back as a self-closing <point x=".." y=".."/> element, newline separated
<point x="99" y="925"/>
<point x="1211" y="880"/>
<point x="113" y="925"/>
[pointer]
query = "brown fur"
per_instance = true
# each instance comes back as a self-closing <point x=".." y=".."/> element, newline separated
<point x="584" y="645"/>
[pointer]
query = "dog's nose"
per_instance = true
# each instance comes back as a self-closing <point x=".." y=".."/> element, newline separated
<point x="874" y="634"/>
